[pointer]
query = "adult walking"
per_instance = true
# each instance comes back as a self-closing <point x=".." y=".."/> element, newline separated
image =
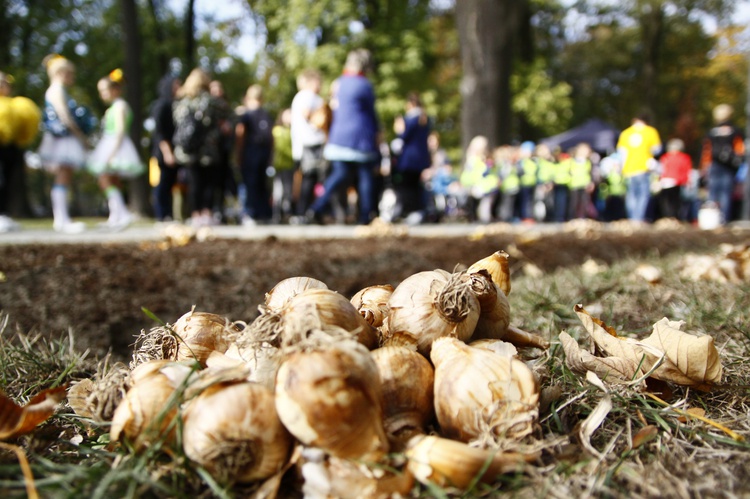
<point x="254" y="136"/>
<point x="197" y="116"/>
<point x="308" y="137"/>
<point x="637" y="145"/>
<point x="353" y="139"/>
<point x="722" y="155"/>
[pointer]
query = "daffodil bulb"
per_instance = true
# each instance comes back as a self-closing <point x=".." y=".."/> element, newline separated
<point x="289" y="288"/>
<point x="444" y="462"/>
<point x="494" y="315"/>
<point x="146" y="415"/>
<point x="325" y="310"/>
<point x="200" y="333"/>
<point x="430" y="305"/>
<point x="497" y="266"/>
<point x="407" y="381"/>
<point x="330" y="398"/>
<point x="234" y="432"/>
<point x="372" y="303"/>
<point x="481" y="394"/>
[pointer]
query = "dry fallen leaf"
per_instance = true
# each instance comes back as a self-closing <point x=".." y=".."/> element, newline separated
<point x="16" y="420"/>
<point x="669" y="354"/>
<point x="645" y="435"/>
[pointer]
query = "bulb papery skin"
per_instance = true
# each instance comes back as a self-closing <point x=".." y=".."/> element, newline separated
<point x="200" y="333"/>
<point x="234" y="432"/>
<point x="433" y="304"/>
<point x="494" y="315"/>
<point x="444" y="462"/>
<point x="481" y="393"/>
<point x="146" y="414"/>
<point x="332" y="310"/>
<point x="497" y="266"/>
<point x="407" y="383"/>
<point x="372" y="303"/>
<point x="288" y="288"/>
<point x="330" y="399"/>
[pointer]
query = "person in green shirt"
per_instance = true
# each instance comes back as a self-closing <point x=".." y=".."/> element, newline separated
<point x="581" y="185"/>
<point x="283" y="165"/>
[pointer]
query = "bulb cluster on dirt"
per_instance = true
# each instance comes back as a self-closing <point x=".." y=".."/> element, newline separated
<point x="348" y="397"/>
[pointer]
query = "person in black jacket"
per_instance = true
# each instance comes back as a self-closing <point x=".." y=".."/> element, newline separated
<point x="162" y="150"/>
<point x="722" y="155"/>
<point x="254" y="137"/>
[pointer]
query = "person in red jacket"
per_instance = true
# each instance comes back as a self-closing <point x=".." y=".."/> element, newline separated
<point x="675" y="174"/>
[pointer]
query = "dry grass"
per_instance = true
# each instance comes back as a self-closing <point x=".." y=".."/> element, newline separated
<point x="640" y="449"/>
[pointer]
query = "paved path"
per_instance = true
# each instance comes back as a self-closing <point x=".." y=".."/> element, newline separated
<point x="157" y="232"/>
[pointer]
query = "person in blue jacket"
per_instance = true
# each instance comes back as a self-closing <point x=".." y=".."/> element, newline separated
<point x="412" y="158"/>
<point x="353" y="140"/>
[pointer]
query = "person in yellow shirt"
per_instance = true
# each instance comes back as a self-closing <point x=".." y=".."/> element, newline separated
<point x="637" y="146"/>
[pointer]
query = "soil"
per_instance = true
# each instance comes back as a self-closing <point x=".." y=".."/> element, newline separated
<point x="98" y="292"/>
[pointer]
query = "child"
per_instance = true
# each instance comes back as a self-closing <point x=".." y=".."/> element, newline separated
<point x="675" y="175"/>
<point x="283" y="164"/>
<point x="115" y="156"/>
<point x="581" y="183"/>
<point x="479" y="179"/>
<point x="63" y="147"/>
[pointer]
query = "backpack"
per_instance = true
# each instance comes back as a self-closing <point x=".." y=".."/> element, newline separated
<point x="190" y="131"/>
<point x="722" y="147"/>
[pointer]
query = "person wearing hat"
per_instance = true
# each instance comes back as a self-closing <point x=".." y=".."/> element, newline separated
<point x="722" y="155"/>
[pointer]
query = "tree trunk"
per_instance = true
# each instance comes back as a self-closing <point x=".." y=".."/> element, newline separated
<point x="487" y="30"/>
<point x="139" y="189"/>
<point x="652" y="32"/>
<point x="190" y="36"/>
<point x="159" y="37"/>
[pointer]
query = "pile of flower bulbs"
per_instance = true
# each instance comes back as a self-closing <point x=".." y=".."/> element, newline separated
<point x="351" y="397"/>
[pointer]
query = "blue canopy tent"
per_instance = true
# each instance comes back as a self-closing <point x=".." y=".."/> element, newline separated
<point x="601" y="136"/>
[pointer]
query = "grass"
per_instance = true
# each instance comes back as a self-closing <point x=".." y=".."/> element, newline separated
<point x="644" y="448"/>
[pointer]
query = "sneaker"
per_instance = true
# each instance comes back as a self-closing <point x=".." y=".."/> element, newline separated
<point x="7" y="224"/>
<point x="248" y="222"/>
<point x="69" y="227"/>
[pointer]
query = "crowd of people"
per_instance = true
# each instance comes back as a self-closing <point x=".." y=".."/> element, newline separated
<point x="325" y="160"/>
<point x="640" y="180"/>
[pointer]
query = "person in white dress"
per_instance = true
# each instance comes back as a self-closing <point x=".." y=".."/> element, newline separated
<point x="115" y="157"/>
<point x="63" y="146"/>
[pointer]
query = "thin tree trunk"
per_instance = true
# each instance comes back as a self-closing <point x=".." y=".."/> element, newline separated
<point x="190" y="36"/>
<point x="652" y="28"/>
<point x="139" y="191"/>
<point x="159" y="36"/>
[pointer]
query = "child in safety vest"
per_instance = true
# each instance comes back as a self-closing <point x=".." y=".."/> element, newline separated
<point x="612" y="189"/>
<point x="510" y="181"/>
<point x="527" y="169"/>
<point x="479" y="180"/>
<point x="581" y="184"/>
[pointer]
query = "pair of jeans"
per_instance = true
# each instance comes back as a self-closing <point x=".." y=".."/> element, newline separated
<point x="721" y="188"/>
<point x="638" y="196"/>
<point x="163" y="191"/>
<point x="338" y="177"/>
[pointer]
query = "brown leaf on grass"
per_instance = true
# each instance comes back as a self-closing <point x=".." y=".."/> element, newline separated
<point x="673" y="355"/>
<point x="607" y="368"/>
<point x="645" y="435"/>
<point x="690" y="360"/>
<point x="16" y="420"/>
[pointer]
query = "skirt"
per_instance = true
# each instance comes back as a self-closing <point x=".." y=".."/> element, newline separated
<point x="126" y="162"/>
<point x="61" y="151"/>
